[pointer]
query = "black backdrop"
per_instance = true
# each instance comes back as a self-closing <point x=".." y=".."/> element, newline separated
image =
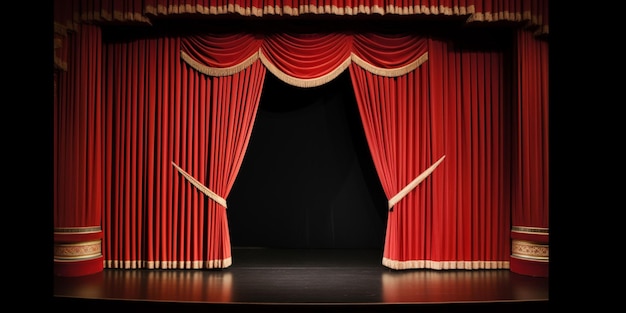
<point x="307" y="180"/>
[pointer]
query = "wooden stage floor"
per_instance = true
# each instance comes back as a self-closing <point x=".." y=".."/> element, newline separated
<point x="288" y="280"/>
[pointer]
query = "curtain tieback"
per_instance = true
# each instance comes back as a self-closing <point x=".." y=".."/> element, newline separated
<point x="413" y="184"/>
<point x="201" y="187"/>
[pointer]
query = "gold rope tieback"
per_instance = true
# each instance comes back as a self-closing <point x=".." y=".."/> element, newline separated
<point x="201" y="187"/>
<point x="413" y="184"/>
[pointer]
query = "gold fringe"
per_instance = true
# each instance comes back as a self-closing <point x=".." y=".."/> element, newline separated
<point x="142" y="264"/>
<point x="311" y="8"/>
<point x="215" y="197"/>
<point x="150" y="10"/>
<point x="58" y="43"/>
<point x="214" y="71"/>
<point x="60" y="64"/>
<point x="224" y="263"/>
<point x="445" y="265"/>
<point x="304" y="83"/>
<point x="390" y="72"/>
<point x="60" y="29"/>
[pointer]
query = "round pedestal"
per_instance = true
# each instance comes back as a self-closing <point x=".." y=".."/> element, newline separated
<point x="530" y="251"/>
<point x="78" y="251"/>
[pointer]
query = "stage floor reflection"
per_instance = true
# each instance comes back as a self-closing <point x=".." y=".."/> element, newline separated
<point x="306" y="276"/>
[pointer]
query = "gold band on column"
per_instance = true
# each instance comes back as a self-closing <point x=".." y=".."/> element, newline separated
<point x="530" y="250"/>
<point x="78" y="250"/>
<point x="530" y="243"/>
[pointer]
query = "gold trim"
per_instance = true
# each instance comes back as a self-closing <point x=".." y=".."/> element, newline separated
<point x="532" y="16"/>
<point x="530" y="250"/>
<point x="198" y="264"/>
<point x="215" y="71"/>
<point x="78" y="251"/>
<point x="444" y="265"/>
<point x="395" y="72"/>
<point x="528" y="258"/>
<point x="530" y="230"/>
<point x="304" y="83"/>
<point x="78" y="230"/>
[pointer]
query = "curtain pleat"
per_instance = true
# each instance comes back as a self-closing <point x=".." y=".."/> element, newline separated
<point x="396" y="117"/>
<point x="531" y="196"/>
<point x="78" y="200"/>
<point x="78" y="136"/>
<point x="164" y="112"/>
<point x="404" y="119"/>
<point x="530" y="229"/>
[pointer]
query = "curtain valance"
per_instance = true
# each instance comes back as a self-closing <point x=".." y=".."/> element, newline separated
<point x="305" y="60"/>
<point x="68" y="12"/>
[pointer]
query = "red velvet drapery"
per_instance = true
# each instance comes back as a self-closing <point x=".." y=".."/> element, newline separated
<point x="78" y="156"/>
<point x="530" y="230"/>
<point x="407" y="128"/>
<point x="176" y="135"/>
<point x="152" y="215"/>
<point x="470" y="101"/>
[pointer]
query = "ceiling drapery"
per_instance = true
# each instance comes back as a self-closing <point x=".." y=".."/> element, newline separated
<point x="305" y="60"/>
<point x="534" y="12"/>
<point x="69" y="13"/>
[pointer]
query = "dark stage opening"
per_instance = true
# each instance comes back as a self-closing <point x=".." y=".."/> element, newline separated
<point x="307" y="180"/>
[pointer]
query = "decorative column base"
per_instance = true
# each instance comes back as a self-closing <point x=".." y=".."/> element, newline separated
<point x="78" y="251"/>
<point x="530" y="251"/>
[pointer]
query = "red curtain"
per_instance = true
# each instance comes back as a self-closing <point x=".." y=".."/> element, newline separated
<point x="149" y="146"/>
<point x="396" y="117"/>
<point x="451" y="106"/>
<point x="415" y="112"/>
<point x="530" y="207"/>
<point x="78" y="155"/>
<point x="471" y="204"/>
<point x="172" y="130"/>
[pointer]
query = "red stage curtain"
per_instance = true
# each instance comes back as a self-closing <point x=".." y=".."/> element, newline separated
<point x="415" y="113"/>
<point x="165" y="122"/>
<point x="78" y="156"/>
<point x="530" y="217"/>
<point x="470" y="100"/>
<point x="234" y="103"/>
<point x="396" y="117"/>
<point x="407" y="131"/>
<point x="177" y="113"/>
